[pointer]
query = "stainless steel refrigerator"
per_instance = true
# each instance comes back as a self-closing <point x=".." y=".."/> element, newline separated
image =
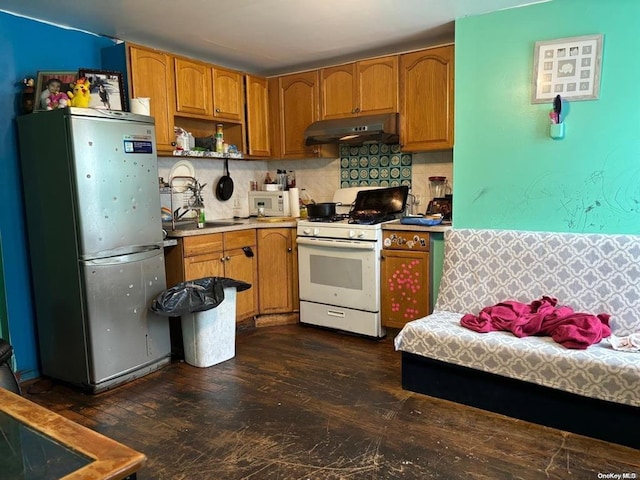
<point x="92" y="203"/>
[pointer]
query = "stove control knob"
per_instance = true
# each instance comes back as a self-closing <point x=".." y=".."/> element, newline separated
<point x="352" y="234"/>
<point x="306" y="231"/>
<point x="360" y="234"/>
<point x="316" y="232"/>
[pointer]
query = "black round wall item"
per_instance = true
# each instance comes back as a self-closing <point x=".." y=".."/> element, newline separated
<point x="224" y="189"/>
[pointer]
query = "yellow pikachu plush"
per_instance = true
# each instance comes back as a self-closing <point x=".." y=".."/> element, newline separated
<point x="81" y="94"/>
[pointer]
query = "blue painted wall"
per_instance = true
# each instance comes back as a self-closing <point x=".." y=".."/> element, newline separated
<point x="27" y="47"/>
<point x="508" y="173"/>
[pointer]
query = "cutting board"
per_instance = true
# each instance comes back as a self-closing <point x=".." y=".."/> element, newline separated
<point x="276" y="219"/>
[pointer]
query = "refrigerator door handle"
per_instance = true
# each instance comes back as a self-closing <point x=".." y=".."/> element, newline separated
<point x="126" y="258"/>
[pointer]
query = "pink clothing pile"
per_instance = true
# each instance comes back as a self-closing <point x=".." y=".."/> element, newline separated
<point x="541" y="317"/>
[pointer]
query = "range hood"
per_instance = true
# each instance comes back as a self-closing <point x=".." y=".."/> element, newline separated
<point x="381" y="128"/>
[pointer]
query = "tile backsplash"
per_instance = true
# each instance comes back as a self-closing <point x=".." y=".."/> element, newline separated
<point x="319" y="176"/>
<point x="375" y="164"/>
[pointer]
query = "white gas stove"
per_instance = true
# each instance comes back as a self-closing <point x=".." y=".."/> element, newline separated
<point x="339" y="271"/>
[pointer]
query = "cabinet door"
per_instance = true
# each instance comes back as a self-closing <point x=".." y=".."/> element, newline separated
<point x="228" y="98"/>
<point x="257" y="99"/>
<point x="377" y="83"/>
<point x="297" y="108"/>
<point x="338" y="91"/>
<point x="200" y="266"/>
<point x="193" y="87"/>
<point x="240" y="267"/>
<point x="426" y="99"/>
<point x="275" y="270"/>
<point x="152" y="76"/>
<point x="405" y="286"/>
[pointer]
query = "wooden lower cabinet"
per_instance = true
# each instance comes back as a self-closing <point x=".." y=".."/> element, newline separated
<point x="218" y="255"/>
<point x="404" y="277"/>
<point x="278" y="270"/>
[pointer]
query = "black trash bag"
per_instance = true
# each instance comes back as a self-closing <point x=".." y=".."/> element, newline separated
<point x="195" y="296"/>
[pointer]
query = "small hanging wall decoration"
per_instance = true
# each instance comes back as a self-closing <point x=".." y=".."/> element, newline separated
<point x="567" y="66"/>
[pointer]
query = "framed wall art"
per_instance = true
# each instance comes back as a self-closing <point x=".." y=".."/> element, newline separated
<point x="569" y="67"/>
<point x="51" y="90"/>
<point x="106" y="89"/>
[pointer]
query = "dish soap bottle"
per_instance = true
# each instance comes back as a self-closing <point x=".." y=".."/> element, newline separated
<point x="201" y="219"/>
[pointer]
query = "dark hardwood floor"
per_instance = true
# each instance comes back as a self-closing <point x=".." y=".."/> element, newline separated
<point x="300" y="403"/>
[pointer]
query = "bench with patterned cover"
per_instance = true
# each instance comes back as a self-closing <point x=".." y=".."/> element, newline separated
<point x="592" y="273"/>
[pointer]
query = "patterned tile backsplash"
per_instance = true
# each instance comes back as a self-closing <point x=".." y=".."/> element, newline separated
<point x="374" y="164"/>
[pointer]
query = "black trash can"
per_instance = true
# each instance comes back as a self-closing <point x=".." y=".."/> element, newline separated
<point x="207" y="307"/>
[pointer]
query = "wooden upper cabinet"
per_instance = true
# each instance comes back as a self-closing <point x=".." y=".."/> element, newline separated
<point x="208" y="91"/>
<point x="377" y="81"/>
<point x="193" y="87"/>
<point x="151" y="75"/>
<point x="257" y="102"/>
<point x="426" y="99"/>
<point x="228" y="94"/>
<point x="362" y="88"/>
<point x="338" y="91"/>
<point x="296" y="105"/>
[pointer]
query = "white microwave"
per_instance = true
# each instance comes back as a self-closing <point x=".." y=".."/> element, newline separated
<point x="274" y="203"/>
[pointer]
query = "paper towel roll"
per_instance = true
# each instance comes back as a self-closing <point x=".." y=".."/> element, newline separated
<point x="285" y="203"/>
<point x="294" y="202"/>
<point x="141" y="105"/>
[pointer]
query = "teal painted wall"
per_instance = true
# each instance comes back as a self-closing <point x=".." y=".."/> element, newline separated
<point x="28" y="46"/>
<point x="508" y="173"/>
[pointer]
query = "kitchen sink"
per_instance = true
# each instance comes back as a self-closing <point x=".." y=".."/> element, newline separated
<point x="214" y="224"/>
<point x="192" y="225"/>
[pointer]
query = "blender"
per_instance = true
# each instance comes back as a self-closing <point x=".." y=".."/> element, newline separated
<point x="437" y="187"/>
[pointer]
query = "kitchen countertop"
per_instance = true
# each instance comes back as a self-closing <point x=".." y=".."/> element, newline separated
<point x="286" y="222"/>
<point x="238" y="224"/>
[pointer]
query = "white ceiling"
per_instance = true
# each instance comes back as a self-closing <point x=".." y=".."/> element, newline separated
<point x="266" y="37"/>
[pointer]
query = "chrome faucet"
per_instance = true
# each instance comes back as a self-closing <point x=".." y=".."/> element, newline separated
<point x="196" y="203"/>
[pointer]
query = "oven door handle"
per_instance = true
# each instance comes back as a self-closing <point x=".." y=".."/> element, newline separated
<point x="336" y="243"/>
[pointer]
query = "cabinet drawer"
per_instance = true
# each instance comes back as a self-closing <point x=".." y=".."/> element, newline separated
<point x="405" y="240"/>
<point x="239" y="239"/>
<point x="202" y="244"/>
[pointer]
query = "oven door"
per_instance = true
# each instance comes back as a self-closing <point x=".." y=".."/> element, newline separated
<point x="344" y="273"/>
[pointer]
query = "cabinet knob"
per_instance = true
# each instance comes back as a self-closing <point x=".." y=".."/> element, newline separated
<point x="227" y="258"/>
<point x="289" y="249"/>
<point x="217" y="110"/>
<point x="357" y="110"/>
<point x="222" y="259"/>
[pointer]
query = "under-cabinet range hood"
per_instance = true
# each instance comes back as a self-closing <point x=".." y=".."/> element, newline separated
<point x="381" y="128"/>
